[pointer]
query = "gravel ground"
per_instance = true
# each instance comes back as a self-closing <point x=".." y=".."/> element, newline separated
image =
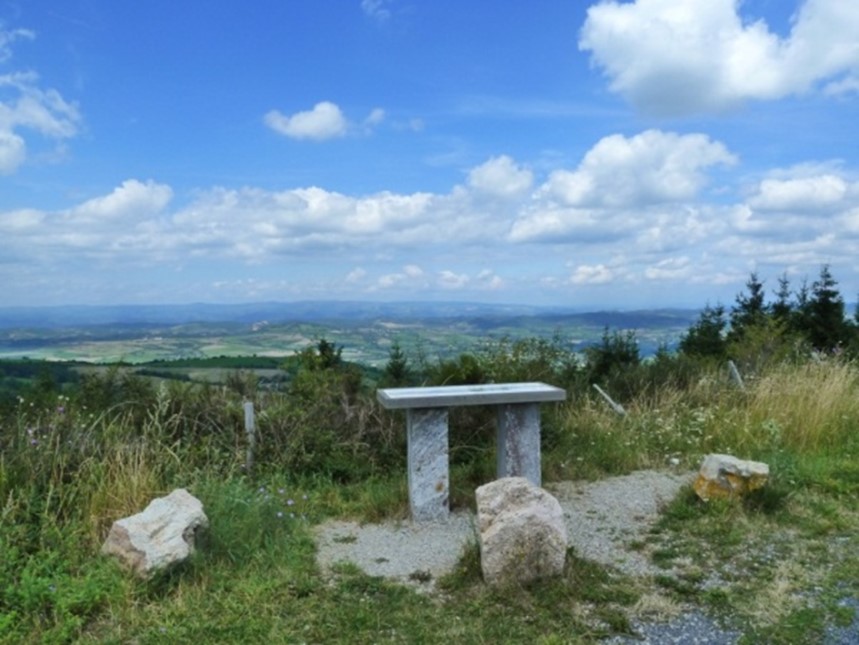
<point x="602" y="518"/>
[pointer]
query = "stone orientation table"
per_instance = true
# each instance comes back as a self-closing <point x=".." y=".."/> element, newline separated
<point x="518" y="432"/>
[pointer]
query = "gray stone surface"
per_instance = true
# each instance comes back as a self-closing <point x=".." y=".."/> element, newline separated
<point x="429" y="479"/>
<point x="159" y="536"/>
<point x="522" y="532"/>
<point x="446" y="396"/>
<point x="518" y="449"/>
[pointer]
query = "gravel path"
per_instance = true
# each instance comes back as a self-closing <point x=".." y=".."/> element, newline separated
<point x="602" y="518"/>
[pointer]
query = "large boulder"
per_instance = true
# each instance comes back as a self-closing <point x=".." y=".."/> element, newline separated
<point x="725" y="476"/>
<point x="522" y="532"/>
<point x="160" y="536"/>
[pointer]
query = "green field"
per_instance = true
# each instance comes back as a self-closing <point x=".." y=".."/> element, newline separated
<point x="363" y="341"/>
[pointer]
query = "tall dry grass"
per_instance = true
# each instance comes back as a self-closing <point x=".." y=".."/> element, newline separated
<point x="801" y="409"/>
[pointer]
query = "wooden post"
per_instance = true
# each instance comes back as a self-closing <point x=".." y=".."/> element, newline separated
<point x="250" y="430"/>
<point x="735" y="375"/>
<point x="617" y="407"/>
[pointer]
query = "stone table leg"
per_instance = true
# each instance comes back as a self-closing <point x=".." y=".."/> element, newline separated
<point x="519" y="441"/>
<point x="429" y="481"/>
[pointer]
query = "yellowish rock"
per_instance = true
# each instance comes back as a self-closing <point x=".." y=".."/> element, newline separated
<point x="725" y="476"/>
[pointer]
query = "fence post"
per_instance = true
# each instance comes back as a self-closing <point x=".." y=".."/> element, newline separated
<point x="617" y="407"/>
<point x="250" y="430"/>
<point x="735" y="375"/>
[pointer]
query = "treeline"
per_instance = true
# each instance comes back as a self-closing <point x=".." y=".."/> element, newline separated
<point x="802" y="320"/>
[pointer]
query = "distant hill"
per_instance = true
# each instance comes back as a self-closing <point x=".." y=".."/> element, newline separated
<point x="317" y="311"/>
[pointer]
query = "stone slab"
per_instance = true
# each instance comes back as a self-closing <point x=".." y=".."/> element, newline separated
<point x="445" y="396"/>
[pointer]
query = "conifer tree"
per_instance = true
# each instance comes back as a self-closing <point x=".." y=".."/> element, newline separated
<point x="827" y="327"/>
<point x="705" y="339"/>
<point x="750" y="310"/>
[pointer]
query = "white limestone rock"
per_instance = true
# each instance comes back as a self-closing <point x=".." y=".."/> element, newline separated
<point x="725" y="476"/>
<point x="522" y="532"/>
<point x="160" y="536"/>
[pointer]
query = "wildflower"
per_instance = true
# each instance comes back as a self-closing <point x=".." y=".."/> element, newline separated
<point x="280" y="514"/>
<point x="290" y="502"/>
<point x="281" y="491"/>
<point x="304" y="497"/>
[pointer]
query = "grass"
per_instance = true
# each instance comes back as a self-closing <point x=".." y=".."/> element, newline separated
<point x="777" y="565"/>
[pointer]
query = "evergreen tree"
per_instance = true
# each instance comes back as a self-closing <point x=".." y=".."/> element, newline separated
<point x="705" y="339"/>
<point x="616" y="352"/>
<point x="749" y="310"/>
<point x="827" y="327"/>
<point x="782" y="308"/>
<point x="397" y="372"/>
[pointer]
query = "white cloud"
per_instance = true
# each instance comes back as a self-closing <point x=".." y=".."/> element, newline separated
<point x="376" y="9"/>
<point x="451" y="280"/>
<point x="650" y="167"/>
<point x="501" y="177"/>
<point x="31" y="108"/>
<point x="13" y="151"/>
<point x="411" y="276"/>
<point x="805" y="195"/>
<point x="324" y="121"/>
<point x="133" y="199"/>
<point x="376" y="116"/>
<point x="673" y="58"/>
<point x="619" y="185"/>
<point x="669" y="269"/>
<point x="655" y="236"/>
<point x="597" y="274"/>
<point x="356" y="275"/>
<point x="9" y="36"/>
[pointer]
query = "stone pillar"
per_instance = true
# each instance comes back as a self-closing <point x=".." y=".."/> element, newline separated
<point x="429" y="481"/>
<point x="518" y="443"/>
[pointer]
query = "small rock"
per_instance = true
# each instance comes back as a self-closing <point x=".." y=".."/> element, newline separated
<point x="162" y="535"/>
<point x="522" y="532"/>
<point x="724" y="476"/>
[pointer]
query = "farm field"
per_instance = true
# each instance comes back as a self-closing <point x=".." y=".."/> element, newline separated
<point x="364" y="340"/>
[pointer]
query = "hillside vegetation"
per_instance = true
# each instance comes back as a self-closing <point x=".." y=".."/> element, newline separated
<point x="76" y="459"/>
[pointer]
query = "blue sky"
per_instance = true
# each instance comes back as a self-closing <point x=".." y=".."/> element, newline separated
<point x="610" y="154"/>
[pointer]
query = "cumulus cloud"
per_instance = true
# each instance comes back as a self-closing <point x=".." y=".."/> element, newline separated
<point x="132" y="199"/>
<point x="805" y="195"/>
<point x="651" y="169"/>
<point x="324" y="121"/>
<point x="670" y="58"/>
<point x="448" y="279"/>
<point x="656" y="233"/>
<point x="31" y="109"/>
<point x="501" y="177"/>
<point x="596" y="274"/>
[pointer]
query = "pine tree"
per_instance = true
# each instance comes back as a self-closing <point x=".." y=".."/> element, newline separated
<point x="705" y="339"/>
<point x="782" y="308"/>
<point x="397" y="372"/>
<point x="750" y="310"/>
<point x="827" y="327"/>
